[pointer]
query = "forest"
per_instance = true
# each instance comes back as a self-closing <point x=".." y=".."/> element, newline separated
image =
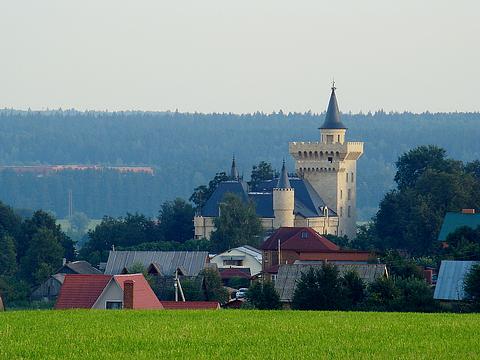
<point x="188" y="149"/>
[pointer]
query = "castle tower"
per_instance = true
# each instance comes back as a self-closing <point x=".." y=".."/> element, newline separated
<point x="330" y="166"/>
<point x="283" y="201"/>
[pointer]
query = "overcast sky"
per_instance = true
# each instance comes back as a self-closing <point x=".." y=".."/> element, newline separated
<point x="240" y="56"/>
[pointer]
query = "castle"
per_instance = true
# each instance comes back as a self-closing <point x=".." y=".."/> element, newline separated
<point x="321" y="196"/>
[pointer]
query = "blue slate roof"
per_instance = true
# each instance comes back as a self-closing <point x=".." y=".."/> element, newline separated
<point x="239" y="188"/>
<point x="453" y="221"/>
<point x="332" y="118"/>
<point x="307" y="201"/>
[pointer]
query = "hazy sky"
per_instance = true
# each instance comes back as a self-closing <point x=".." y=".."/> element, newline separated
<point x="240" y="56"/>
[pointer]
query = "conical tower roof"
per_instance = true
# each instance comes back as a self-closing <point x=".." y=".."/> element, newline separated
<point x="283" y="182"/>
<point x="332" y="119"/>
<point x="234" y="171"/>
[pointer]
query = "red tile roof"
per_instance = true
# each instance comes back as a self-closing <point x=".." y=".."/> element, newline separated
<point x="228" y="273"/>
<point x="81" y="291"/>
<point x="291" y="239"/>
<point x="143" y="295"/>
<point x="191" y="305"/>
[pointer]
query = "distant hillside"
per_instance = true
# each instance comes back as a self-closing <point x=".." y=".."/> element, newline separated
<point x="188" y="149"/>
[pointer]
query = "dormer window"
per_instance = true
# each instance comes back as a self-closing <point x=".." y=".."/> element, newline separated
<point x="304" y="234"/>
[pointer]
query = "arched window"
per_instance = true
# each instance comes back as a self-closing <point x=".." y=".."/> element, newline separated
<point x="299" y="154"/>
<point x="310" y="154"/>
<point x="305" y="154"/>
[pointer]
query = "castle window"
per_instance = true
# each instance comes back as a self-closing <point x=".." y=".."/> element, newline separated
<point x="349" y="211"/>
<point x="341" y="211"/>
<point x="310" y="154"/>
<point x="349" y="195"/>
<point x="321" y="153"/>
<point x="299" y="154"/>
<point x="329" y="139"/>
<point x="304" y="235"/>
<point x="330" y="159"/>
<point x="316" y="154"/>
<point x="341" y="194"/>
<point x="346" y="177"/>
<point x="351" y="176"/>
<point x="305" y="154"/>
<point x="338" y="139"/>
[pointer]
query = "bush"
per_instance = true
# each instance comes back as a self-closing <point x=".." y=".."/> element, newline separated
<point x="263" y="296"/>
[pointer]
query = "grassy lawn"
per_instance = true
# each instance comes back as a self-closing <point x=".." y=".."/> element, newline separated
<point x="236" y="334"/>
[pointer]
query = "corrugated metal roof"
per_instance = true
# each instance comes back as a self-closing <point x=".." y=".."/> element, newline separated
<point x="288" y="275"/>
<point x="450" y="279"/>
<point x="453" y="221"/>
<point x="81" y="267"/>
<point x="191" y="262"/>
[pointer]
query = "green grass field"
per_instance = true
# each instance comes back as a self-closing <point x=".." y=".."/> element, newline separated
<point x="236" y="334"/>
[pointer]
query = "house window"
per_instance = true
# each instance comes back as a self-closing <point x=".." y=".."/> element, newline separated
<point x="349" y="195"/>
<point x="233" y="262"/>
<point x="304" y="235"/>
<point x="349" y="211"/>
<point x="113" y="305"/>
<point x="274" y="278"/>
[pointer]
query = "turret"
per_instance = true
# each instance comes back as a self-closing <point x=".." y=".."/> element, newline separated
<point x="283" y="201"/>
<point x="233" y="170"/>
<point x="332" y="131"/>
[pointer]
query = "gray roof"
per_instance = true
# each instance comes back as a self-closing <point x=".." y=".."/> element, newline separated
<point x="191" y="262"/>
<point x="283" y="182"/>
<point x="450" y="279"/>
<point x="79" y="267"/>
<point x="332" y="118"/>
<point x="288" y="275"/>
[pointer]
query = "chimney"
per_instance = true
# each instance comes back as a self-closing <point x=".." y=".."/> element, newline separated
<point x="428" y="274"/>
<point x="64" y="261"/>
<point x="128" y="294"/>
<point x="468" y="211"/>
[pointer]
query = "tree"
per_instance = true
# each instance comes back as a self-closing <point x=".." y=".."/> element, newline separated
<point x="464" y="244"/>
<point x="414" y="295"/>
<point x="381" y="293"/>
<point x="319" y="289"/>
<point x="472" y="285"/>
<point x="261" y="172"/>
<point x="79" y="222"/>
<point x="43" y="257"/>
<point x="137" y="268"/>
<point x="214" y="290"/>
<point x="413" y="164"/>
<point x="263" y="296"/>
<point x="237" y="225"/>
<point x="353" y="289"/>
<point x="8" y="261"/>
<point x="175" y="219"/>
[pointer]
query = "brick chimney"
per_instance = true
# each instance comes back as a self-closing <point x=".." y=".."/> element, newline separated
<point x="468" y="211"/>
<point x="128" y="294"/>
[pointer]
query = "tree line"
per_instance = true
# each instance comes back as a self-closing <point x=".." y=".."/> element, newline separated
<point x="187" y="150"/>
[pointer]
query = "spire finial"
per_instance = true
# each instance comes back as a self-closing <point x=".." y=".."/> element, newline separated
<point x="333" y="84"/>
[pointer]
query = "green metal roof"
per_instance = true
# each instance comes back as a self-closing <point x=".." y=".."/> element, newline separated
<point x="454" y="220"/>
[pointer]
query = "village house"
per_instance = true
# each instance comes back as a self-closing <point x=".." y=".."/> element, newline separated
<point x="290" y="244"/>
<point x="241" y="262"/>
<point x="456" y="220"/>
<point x="106" y="292"/>
<point x="50" y="288"/>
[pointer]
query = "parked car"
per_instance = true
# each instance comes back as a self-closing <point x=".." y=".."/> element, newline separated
<point x="241" y="293"/>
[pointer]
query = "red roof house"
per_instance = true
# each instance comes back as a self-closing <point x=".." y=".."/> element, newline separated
<point x="106" y="292"/>
<point x="289" y="244"/>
